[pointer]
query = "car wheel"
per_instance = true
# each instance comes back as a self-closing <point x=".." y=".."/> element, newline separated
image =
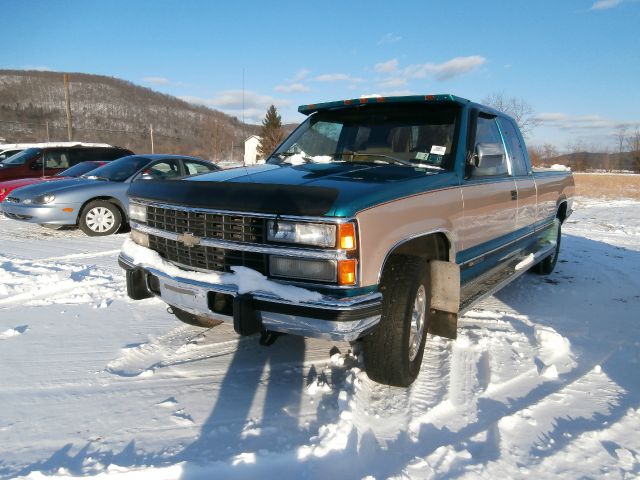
<point x="546" y="266"/>
<point x="196" y="320"/>
<point x="393" y="352"/>
<point x="100" y="218"/>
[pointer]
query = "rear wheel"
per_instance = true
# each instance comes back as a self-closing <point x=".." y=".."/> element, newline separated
<point x="99" y="218"/>
<point x="393" y="352"/>
<point x="546" y="266"/>
<point x="196" y="320"/>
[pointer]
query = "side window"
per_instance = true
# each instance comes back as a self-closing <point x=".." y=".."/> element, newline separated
<point x="77" y="155"/>
<point x="164" y="170"/>
<point x="489" y="146"/>
<point x="56" y="159"/>
<point x="516" y="150"/>
<point x="194" y="168"/>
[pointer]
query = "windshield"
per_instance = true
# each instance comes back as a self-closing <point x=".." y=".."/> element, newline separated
<point x="419" y="136"/>
<point x="22" y="157"/>
<point x="119" y="170"/>
<point x="79" y="169"/>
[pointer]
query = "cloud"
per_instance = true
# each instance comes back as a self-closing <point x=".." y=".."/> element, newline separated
<point x="292" y="88"/>
<point x="605" y="4"/>
<point x="231" y="103"/>
<point x="338" y="77"/>
<point x="300" y="75"/>
<point x="38" y="68"/>
<point x="157" y="80"/>
<point x="387" y="67"/>
<point x="393" y="82"/>
<point x="580" y="123"/>
<point x="389" y="38"/>
<point x="447" y="70"/>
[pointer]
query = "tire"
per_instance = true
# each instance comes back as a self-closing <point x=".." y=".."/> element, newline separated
<point x="546" y="266"/>
<point x="393" y="353"/>
<point x="195" y="320"/>
<point x="100" y="218"/>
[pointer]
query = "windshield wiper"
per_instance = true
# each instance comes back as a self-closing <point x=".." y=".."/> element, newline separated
<point x="384" y="157"/>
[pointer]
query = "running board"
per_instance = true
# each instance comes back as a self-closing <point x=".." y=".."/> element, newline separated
<point x="489" y="283"/>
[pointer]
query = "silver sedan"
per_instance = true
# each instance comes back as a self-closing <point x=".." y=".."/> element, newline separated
<point x="96" y="202"/>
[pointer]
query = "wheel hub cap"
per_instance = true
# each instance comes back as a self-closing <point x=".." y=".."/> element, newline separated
<point x="100" y="219"/>
<point x="418" y="316"/>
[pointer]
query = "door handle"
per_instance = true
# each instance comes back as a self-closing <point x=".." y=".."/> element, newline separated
<point x="514" y="194"/>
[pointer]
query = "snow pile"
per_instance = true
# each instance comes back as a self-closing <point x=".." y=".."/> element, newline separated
<point x="302" y="158"/>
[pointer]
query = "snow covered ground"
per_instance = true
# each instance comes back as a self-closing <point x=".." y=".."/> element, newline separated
<point x="542" y="382"/>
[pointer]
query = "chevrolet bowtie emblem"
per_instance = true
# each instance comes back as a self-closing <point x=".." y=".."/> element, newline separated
<point x="189" y="239"/>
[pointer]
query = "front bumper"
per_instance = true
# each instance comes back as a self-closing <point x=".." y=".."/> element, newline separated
<point x="329" y="317"/>
<point x="51" y="214"/>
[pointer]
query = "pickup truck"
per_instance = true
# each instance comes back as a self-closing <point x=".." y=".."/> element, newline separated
<point x="377" y="221"/>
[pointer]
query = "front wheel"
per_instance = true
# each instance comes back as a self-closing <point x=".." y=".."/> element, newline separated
<point x="99" y="218"/>
<point x="393" y="352"/>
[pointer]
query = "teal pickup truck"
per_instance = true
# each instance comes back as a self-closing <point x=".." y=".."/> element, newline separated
<point x="377" y="221"/>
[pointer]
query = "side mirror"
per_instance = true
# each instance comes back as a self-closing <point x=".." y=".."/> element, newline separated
<point x="489" y="159"/>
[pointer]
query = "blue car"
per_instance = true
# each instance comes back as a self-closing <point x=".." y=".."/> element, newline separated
<point x="97" y="202"/>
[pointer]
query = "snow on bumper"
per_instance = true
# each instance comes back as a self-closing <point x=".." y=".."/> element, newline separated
<point x="278" y="307"/>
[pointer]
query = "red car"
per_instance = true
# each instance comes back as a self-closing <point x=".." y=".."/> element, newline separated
<point x="46" y="161"/>
<point x="75" y="171"/>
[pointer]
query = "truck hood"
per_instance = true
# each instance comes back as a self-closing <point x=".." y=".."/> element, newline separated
<point x="313" y="189"/>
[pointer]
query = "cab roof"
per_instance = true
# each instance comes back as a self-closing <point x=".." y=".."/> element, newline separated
<point x="314" y="107"/>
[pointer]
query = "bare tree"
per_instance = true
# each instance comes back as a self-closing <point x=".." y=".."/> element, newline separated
<point x="621" y="136"/>
<point x="633" y="144"/>
<point x="521" y="111"/>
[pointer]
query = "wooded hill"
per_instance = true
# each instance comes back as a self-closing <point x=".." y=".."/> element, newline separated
<point x="106" y="109"/>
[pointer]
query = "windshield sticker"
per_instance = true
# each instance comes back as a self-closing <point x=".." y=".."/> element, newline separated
<point x="438" y="150"/>
<point x="422" y="156"/>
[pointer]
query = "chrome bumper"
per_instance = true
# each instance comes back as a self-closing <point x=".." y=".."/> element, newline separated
<point x="330" y="317"/>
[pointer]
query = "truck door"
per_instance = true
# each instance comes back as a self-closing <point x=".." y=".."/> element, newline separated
<point x="523" y="175"/>
<point x="490" y="197"/>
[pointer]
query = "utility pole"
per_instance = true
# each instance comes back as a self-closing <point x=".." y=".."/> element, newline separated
<point x="151" y="131"/>
<point x="68" y="102"/>
<point x="48" y="137"/>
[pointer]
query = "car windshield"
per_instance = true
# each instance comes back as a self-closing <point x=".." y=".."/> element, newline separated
<point x="79" y="169"/>
<point x="22" y="157"/>
<point x="417" y="136"/>
<point x="118" y="170"/>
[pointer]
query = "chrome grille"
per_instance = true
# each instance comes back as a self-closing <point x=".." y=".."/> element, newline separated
<point x="207" y="258"/>
<point x="236" y="228"/>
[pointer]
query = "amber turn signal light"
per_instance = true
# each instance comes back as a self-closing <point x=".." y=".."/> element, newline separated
<point x="347" y="272"/>
<point x="347" y="236"/>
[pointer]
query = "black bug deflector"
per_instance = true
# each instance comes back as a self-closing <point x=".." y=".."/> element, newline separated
<point x="242" y="197"/>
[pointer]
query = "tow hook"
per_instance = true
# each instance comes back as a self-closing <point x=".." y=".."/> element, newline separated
<point x="269" y="337"/>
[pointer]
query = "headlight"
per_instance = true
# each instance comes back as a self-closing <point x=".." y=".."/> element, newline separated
<point x="138" y="212"/>
<point x="140" y="238"/>
<point x="42" y="199"/>
<point x="300" y="268"/>
<point x="317" y="234"/>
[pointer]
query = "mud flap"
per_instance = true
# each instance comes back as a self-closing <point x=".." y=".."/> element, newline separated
<point x="445" y="298"/>
<point x="136" y="287"/>
<point x="246" y="321"/>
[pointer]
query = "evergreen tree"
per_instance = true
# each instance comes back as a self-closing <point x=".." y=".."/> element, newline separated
<point x="271" y="134"/>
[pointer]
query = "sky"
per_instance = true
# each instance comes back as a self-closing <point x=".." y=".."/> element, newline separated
<point x="575" y="62"/>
